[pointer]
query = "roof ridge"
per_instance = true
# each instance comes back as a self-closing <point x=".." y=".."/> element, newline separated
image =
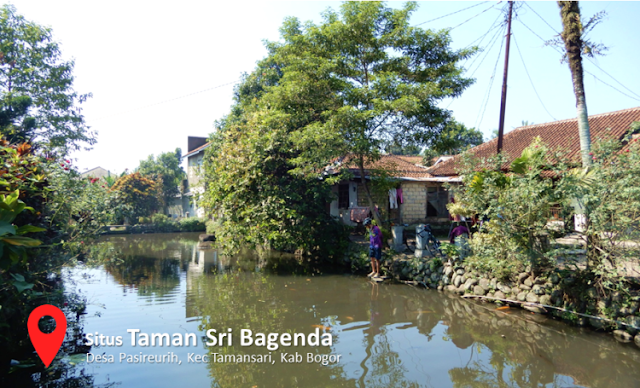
<point x="575" y="118"/>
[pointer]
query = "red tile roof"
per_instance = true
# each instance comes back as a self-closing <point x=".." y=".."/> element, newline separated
<point x="196" y="150"/>
<point x="399" y="166"/>
<point x="557" y="135"/>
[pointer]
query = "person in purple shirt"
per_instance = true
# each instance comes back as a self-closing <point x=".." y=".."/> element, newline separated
<point x="375" y="247"/>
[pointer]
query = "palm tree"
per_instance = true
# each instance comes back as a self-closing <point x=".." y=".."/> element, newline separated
<point x="573" y="36"/>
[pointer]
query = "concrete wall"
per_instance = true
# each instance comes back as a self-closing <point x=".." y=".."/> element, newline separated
<point x="414" y="207"/>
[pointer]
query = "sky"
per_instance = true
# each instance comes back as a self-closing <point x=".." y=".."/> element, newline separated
<point x="161" y="71"/>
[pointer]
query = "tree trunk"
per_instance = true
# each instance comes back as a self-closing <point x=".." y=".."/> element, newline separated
<point x="572" y="38"/>
<point x="372" y="205"/>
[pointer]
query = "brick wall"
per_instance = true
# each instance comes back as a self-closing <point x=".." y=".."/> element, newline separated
<point x="414" y="207"/>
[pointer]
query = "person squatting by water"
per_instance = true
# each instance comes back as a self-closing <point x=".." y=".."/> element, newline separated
<point x="375" y="247"/>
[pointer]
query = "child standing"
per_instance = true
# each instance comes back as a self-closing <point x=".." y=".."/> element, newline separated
<point x="375" y="247"/>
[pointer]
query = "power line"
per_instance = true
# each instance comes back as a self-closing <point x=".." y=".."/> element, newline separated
<point x="543" y="19"/>
<point x="174" y="99"/>
<point x="486" y="100"/>
<point x="585" y="71"/>
<point x="530" y="80"/>
<point x="449" y="14"/>
<point x="473" y="17"/>
<point x="491" y="43"/>
<point x="611" y="86"/>
<point x="619" y="83"/>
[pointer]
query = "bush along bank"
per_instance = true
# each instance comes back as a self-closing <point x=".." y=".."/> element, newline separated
<point x="158" y="223"/>
<point x="563" y="294"/>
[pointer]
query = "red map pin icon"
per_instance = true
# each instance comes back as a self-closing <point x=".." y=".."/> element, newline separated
<point x="47" y="345"/>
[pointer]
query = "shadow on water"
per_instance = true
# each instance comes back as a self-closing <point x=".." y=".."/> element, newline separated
<point x="387" y="335"/>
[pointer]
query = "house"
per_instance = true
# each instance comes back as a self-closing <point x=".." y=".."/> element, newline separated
<point x="424" y="198"/>
<point x="194" y="186"/>
<point x="561" y="134"/>
<point x="96" y="172"/>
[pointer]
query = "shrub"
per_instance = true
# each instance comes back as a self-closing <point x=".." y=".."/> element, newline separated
<point x="192" y="225"/>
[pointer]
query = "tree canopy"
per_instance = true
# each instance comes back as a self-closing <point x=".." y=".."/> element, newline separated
<point x="166" y="167"/>
<point x="37" y="97"/>
<point x="454" y="139"/>
<point x="361" y="80"/>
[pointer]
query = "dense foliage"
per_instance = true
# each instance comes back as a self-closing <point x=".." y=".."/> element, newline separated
<point x="361" y="80"/>
<point x="136" y="196"/>
<point x="34" y="76"/>
<point x="520" y="207"/>
<point x="166" y="168"/>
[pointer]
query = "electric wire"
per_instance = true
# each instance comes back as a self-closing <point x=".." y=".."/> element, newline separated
<point x="609" y="85"/>
<point x="449" y="14"/>
<point x="528" y="76"/>
<point x="473" y="17"/>
<point x="594" y="76"/>
<point x="612" y="77"/>
<point x="491" y="43"/>
<point x="492" y="79"/>
<point x="543" y="19"/>
<point x="173" y="99"/>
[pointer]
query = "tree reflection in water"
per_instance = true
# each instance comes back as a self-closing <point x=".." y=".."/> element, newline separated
<point x="388" y="335"/>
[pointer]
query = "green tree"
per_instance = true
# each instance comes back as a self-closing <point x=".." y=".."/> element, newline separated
<point x="33" y="75"/>
<point x="368" y="79"/>
<point x="454" y="139"/>
<point x="166" y="167"/>
<point x="574" y="38"/>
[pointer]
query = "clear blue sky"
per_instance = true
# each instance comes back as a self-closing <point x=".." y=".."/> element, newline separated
<point x="137" y="56"/>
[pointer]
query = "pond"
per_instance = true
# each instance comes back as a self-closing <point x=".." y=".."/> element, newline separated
<point x="386" y="335"/>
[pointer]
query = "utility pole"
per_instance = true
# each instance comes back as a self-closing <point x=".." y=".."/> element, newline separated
<point x="503" y="102"/>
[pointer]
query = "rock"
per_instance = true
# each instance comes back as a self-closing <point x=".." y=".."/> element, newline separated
<point x="525" y="287"/>
<point x="440" y="270"/>
<point x="556" y="297"/>
<point x="451" y="288"/>
<point x="545" y="299"/>
<point x="522" y="296"/>
<point x="206" y="237"/>
<point x="457" y="280"/>
<point x="440" y="288"/>
<point x="479" y="290"/>
<point x="602" y="304"/>
<point x="460" y="271"/>
<point x="616" y="297"/>
<point x="493" y="283"/>
<point x="445" y="280"/>
<point x="528" y="282"/>
<point x="534" y="308"/>
<point x="463" y="279"/>
<point x="499" y="295"/>
<point x="537" y="289"/>
<point x="540" y="280"/>
<point x="448" y="270"/>
<point x="435" y="277"/>
<point x="490" y="294"/>
<point x="597" y="323"/>
<point x="504" y="288"/>
<point x="555" y="279"/>
<point x="484" y="283"/>
<point x="522" y="276"/>
<point x="622" y="336"/>
<point x="634" y="324"/>
<point x="636" y="339"/>
<point x="470" y="283"/>
<point x="531" y="297"/>
<point x="634" y="306"/>
<point x="592" y="293"/>
<point x="568" y="281"/>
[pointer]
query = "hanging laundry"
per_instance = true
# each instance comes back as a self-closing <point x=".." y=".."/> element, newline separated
<point x="393" y="199"/>
<point x="399" y="192"/>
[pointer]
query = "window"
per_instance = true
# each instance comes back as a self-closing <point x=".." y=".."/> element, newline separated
<point x="343" y="196"/>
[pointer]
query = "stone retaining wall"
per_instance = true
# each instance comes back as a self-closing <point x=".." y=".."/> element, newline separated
<point x="528" y="292"/>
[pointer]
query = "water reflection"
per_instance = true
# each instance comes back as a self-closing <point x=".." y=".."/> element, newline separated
<point x="387" y="335"/>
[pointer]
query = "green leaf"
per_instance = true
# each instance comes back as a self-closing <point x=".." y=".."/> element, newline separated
<point x="6" y="228"/>
<point x="21" y="241"/>
<point x="18" y="277"/>
<point x="21" y="286"/>
<point x="29" y="229"/>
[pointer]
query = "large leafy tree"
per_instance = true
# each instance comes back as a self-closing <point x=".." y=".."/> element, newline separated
<point x="166" y="167"/>
<point x="34" y="76"/>
<point x="368" y="79"/>
<point x="452" y="140"/>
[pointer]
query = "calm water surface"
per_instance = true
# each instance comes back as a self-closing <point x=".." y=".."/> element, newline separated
<point x="387" y="335"/>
